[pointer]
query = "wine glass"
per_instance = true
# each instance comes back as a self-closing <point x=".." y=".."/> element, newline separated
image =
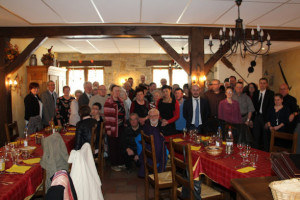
<point x="240" y="146"/>
<point x="247" y="151"/>
<point x="191" y="135"/>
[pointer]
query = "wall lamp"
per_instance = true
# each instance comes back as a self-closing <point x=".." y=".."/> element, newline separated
<point x="12" y="83"/>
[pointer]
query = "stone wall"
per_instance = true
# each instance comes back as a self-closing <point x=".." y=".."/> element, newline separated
<point x="290" y="62"/>
<point x="123" y="65"/>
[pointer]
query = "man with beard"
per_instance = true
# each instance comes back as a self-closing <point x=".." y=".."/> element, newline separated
<point x="152" y="127"/>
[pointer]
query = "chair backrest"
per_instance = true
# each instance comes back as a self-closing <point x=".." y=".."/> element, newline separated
<point x="93" y="138"/>
<point x="101" y="150"/>
<point x="9" y="129"/>
<point x="181" y="167"/>
<point x="286" y="136"/>
<point x="149" y="154"/>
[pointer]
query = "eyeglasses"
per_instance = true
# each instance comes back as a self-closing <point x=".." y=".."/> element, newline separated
<point x="229" y="92"/>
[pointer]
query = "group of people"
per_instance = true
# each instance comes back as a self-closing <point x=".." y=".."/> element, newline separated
<point x="163" y="112"/>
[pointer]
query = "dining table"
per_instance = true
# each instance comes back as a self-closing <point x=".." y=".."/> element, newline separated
<point x="17" y="186"/>
<point x="223" y="168"/>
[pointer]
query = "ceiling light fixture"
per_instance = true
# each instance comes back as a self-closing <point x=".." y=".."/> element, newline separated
<point x="237" y="38"/>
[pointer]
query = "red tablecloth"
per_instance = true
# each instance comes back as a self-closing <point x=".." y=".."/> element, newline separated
<point x="26" y="184"/>
<point x="222" y="170"/>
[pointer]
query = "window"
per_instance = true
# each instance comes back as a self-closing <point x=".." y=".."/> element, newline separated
<point x="76" y="79"/>
<point x="160" y="73"/>
<point x="179" y="76"/>
<point x="96" y="75"/>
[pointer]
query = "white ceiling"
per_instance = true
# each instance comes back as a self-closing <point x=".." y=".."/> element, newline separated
<point x="267" y="13"/>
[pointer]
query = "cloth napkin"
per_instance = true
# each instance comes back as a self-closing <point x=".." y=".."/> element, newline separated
<point x="195" y="148"/>
<point x="18" y="169"/>
<point x="246" y="169"/>
<point x="70" y="133"/>
<point x="39" y="134"/>
<point x="177" y="140"/>
<point x="32" y="161"/>
<point x="205" y="138"/>
<point x="72" y="129"/>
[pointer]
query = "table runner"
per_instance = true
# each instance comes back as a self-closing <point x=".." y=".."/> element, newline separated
<point x="26" y="184"/>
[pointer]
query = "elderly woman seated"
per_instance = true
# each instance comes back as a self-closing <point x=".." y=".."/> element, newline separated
<point x="84" y="127"/>
<point x="152" y="127"/>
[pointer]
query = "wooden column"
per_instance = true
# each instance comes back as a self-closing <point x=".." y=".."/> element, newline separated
<point x="196" y="48"/>
<point x="5" y="106"/>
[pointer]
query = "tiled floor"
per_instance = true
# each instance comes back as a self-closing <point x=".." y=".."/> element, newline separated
<point x="123" y="186"/>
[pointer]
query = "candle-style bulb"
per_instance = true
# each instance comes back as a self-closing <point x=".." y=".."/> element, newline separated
<point x="269" y="37"/>
<point x="244" y="26"/>
<point x="220" y="32"/>
<point x="252" y="32"/>
<point x="258" y="28"/>
<point x="210" y="37"/>
<point x="224" y="29"/>
<point x="230" y="33"/>
<point x="261" y="33"/>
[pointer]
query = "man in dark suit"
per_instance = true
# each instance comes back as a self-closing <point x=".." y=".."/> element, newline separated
<point x="196" y="110"/>
<point x="263" y="99"/>
<point x="84" y="99"/>
<point x="49" y="103"/>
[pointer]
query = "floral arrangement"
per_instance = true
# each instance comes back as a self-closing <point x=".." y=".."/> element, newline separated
<point x="48" y="58"/>
<point x="11" y="52"/>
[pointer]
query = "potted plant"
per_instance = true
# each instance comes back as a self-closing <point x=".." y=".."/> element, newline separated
<point x="48" y="58"/>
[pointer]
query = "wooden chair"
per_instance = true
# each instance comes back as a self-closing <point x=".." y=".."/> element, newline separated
<point x="9" y="129"/>
<point x="99" y="160"/>
<point x="159" y="181"/>
<point x="286" y="136"/>
<point x="179" y="168"/>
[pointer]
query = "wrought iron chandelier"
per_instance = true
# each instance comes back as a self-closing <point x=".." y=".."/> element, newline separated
<point x="237" y="39"/>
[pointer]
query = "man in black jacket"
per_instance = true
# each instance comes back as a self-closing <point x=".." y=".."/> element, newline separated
<point x="196" y="110"/>
<point x="129" y="139"/>
<point x="84" y="99"/>
<point x="263" y="99"/>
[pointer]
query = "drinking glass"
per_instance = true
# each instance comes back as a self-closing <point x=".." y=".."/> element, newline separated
<point x="25" y="154"/>
<point x="191" y="135"/>
<point x="14" y="156"/>
<point x="184" y="132"/>
<point x="254" y="159"/>
<point x="6" y="147"/>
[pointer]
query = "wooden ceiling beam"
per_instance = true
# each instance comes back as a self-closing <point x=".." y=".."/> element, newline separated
<point x="55" y="31"/>
<point x="169" y="50"/>
<point x="58" y="31"/>
<point x="20" y="60"/>
<point x="217" y="56"/>
<point x="104" y="63"/>
<point x="159" y="62"/>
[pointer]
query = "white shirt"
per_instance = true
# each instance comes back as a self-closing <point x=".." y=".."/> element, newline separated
<point x="88" y="95"/>
<point x="74" y="116"/>
<point x="194" y="109"/>
<point x="262" y="99"/>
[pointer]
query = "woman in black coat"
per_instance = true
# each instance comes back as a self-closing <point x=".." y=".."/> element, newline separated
<point x="33" y="103"/>
<point x="84" y="127"/>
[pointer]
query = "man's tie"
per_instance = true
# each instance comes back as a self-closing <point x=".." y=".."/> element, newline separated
<point x="197" y="112"/>
<point x="259" y="101"/>
<point x="53" y="97"/>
